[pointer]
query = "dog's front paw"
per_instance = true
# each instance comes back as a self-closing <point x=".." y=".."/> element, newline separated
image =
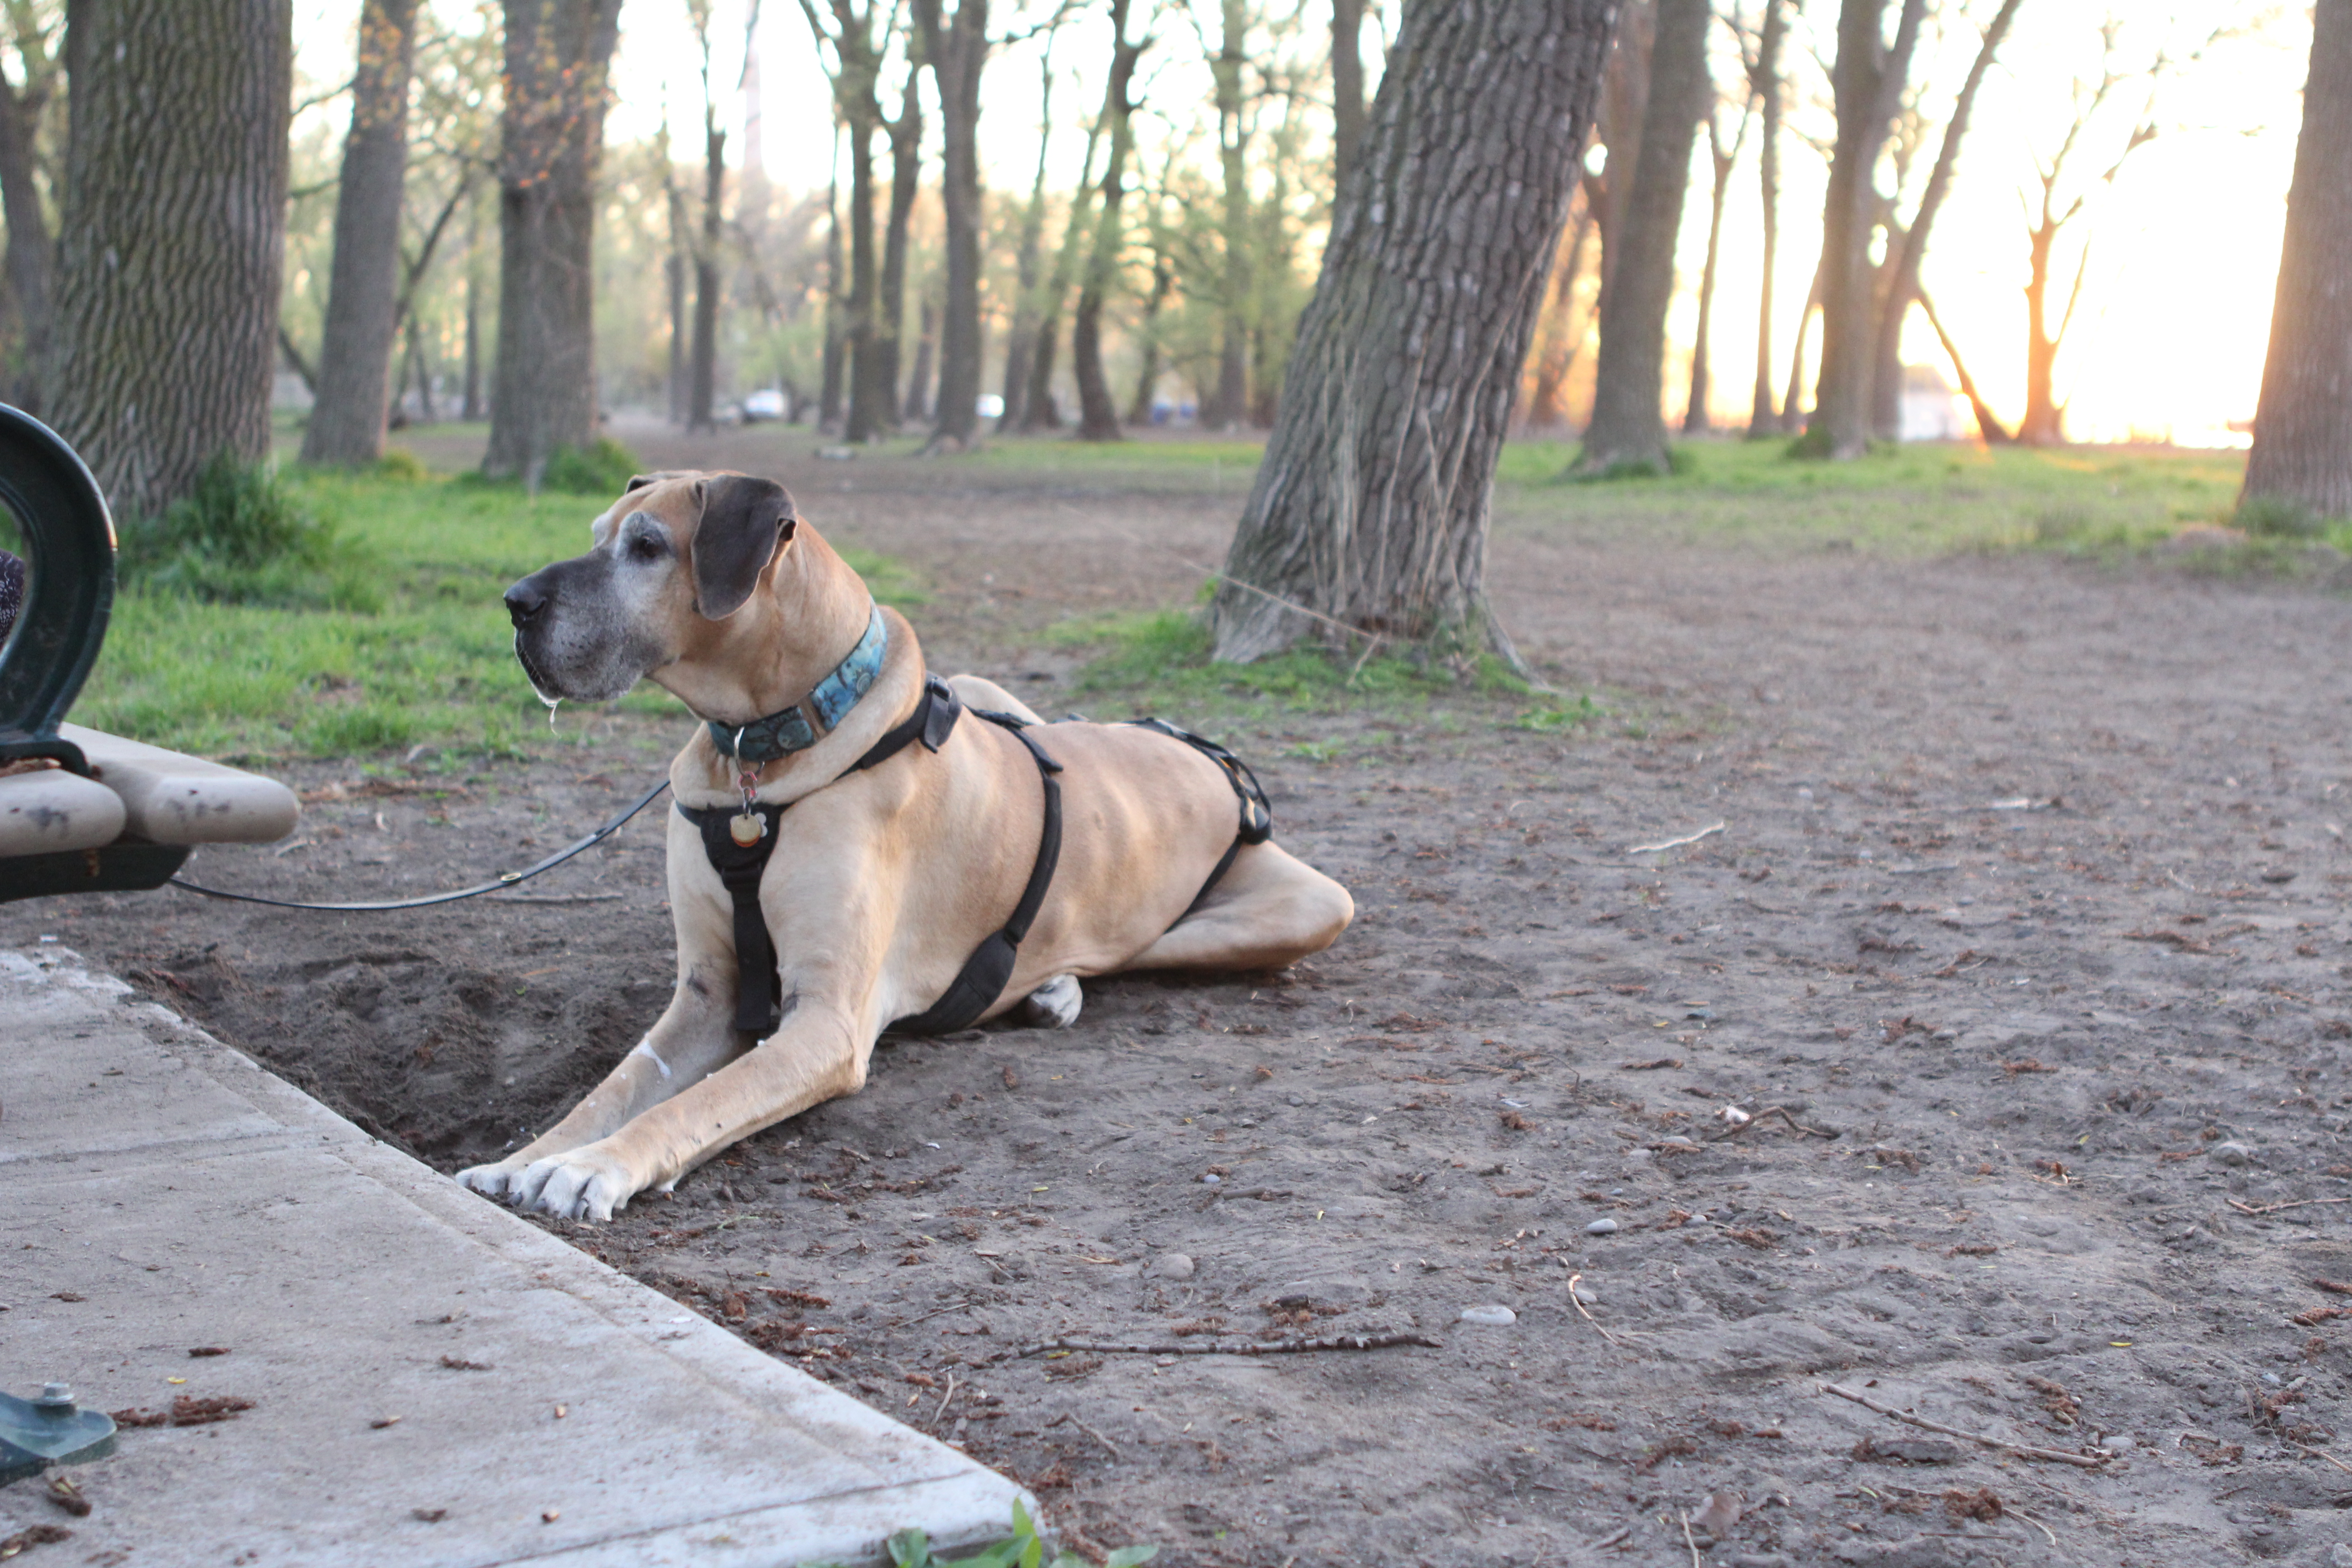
<point x="499" y="1181"/>
<point x="1055" y="1004"/>
<point x="585" y="1183"/>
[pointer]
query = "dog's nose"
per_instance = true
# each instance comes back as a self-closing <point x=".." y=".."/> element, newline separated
<point x="524" y="603"/>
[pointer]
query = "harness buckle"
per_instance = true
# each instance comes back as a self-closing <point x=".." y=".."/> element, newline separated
<point x="748" y="826"/>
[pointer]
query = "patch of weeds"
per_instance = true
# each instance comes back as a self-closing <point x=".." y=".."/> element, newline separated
<point x="241" y="537"/>
<point x="1024" y="1548"/>
<point x="1561" y="715"/>
<point x="1163" y="658"/>
<point x="2278" y="517"/>
<point x="401" y="465"/>
<point x="603" y="468"/>
<point x="1316" y="750"/>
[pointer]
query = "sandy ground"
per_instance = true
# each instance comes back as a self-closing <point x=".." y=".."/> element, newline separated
<point x="2026" y="911"/>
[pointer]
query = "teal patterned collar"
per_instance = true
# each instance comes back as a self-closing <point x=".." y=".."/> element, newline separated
<point x="810" y="719"/>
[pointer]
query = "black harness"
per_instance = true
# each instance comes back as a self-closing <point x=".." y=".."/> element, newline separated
<point x="759" y="1002"/>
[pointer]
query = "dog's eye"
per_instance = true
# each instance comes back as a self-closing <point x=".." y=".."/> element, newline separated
<point x="647" y="547"/>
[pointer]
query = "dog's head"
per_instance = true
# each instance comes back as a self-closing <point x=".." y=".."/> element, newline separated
<point x="676" y="559"/>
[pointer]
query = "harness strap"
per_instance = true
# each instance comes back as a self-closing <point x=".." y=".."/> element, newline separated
<point x="983" y="978"/>
<point x="1256" y="818"/>
<point x="759" y="987"/>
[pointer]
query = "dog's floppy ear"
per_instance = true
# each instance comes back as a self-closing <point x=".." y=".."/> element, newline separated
<point x="639" y="481"/>
<point x="745" y="520"/>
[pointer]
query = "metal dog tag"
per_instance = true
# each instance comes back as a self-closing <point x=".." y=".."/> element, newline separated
<point x="747" y="828"/>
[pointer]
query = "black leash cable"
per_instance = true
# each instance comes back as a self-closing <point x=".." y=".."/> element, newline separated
<point x="506" y="878"/>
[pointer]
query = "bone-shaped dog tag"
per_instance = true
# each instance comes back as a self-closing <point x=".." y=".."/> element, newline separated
<point x="747" y="828"/>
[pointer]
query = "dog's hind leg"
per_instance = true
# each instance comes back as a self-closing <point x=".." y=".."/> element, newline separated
<point x="1054" y="1004"/>
<point x="979" y="691"/>
<point x="1268" y="911"/>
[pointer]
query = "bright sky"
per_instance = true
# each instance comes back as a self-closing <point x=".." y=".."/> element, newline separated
<point x="2167" y="342"/>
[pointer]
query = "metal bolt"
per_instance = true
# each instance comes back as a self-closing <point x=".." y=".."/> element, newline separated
<point x="56" y="1398"/>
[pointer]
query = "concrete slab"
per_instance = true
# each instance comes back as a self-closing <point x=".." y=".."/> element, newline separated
<point x="165" y="1193"/>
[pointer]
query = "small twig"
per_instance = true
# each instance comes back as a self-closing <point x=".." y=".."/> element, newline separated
<point x="1782" y="1112"/>
<point x="1608" y="1540"/>
<point x="1692" y="1545"/>
<point x="940" y="1413"/>
<point x="1676" y="843"/>
<point x="1573" y="1281"/>
<point x="2036" y="1523"/>
<point x="1232" y="1347"/>
<point x="1108" y="1446"/>
<point x="950" y="1307"/>
<point x="2324" y="1454"/>
<point x="2083" y="1460"/>
<point x="2273" y="1208"/>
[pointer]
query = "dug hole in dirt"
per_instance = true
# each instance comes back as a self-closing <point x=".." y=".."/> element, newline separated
<point x="2021" y="951"/>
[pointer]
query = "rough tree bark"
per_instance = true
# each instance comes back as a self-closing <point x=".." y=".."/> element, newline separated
<point x="31" y="258"/>
<point x="1764" y="80"/>
<point x="1908" y="247"/>
<point x="1867" y="85"/>
<point x="2302" y="425"/>
<point x="172" y="232"/>
<point x="347" y="420"/>
<point x="1695" y="413"/>
<point x="1347" y="87"/>
<point x="1021" y="342"/>
<point x="543" y="394"/>
<point x="1628" y="428"/>
<point x="957" y="47"/>
<point x="1098" y="410"/>
<point x="918" y="380"/>
<point x="1371" y="505"/>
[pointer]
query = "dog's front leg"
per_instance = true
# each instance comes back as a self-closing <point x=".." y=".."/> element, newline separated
<point x="819" y="1054"/>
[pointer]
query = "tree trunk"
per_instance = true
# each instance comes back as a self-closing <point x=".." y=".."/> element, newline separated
<point x="918" y="380"/>
<point x="1371" y="505"/>
<point x="31" y="258"/>
<point x="869" y="393"/>
<point x="1147" y="378"/>
<point x="1229" y="403"/>
<point x="420" y="370"/>
<point x="558" y="53"/>
<point x="1021" y="342"/>
<point x="1910" y="247"/>
<point x="1988" y="426"/>
<point x="836" y="308"/>
<point x="174" y="222"/>
<point x="1347" y="87"/>
<point x="1765" y="79"/>
<point x="1628" y="428"/>
<point x="1792" y="406"/>
<point x="2044" y="423"/>
<point x="905" y="134"/>
<point x="347" y="420"/>
<point x="958" y="51"/>
<point x="701" y="407"/>
<point x="1097" y="413"/>
<point x="1695" y="413"/>
<point x="1555" y="346"/>
<point x="2302" y="425"/>
<point x="1867" y="85"/>
<point x="1039" y="412"/>
<point x="1624" y="101"/>
<point x="471" y="408"/>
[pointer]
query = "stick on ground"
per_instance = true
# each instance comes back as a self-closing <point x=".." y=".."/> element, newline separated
<point x="2273" y="1208"/>
<point x="1676" y="843"/>
<point x="1573" y="1281"/>
<point x="1232" y="1347"/>
<point x="1782" y="1112"/>
<point x="2083" y="1461"/>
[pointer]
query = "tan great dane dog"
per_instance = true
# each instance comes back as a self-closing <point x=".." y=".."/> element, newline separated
<point x="882" y="882"/>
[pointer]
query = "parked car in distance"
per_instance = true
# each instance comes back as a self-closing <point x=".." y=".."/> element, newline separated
<point x="768" y="402"/>
<point x="991" y="405"/>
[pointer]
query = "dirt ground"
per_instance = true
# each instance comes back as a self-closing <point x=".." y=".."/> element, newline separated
<point x="2028" y="895"/>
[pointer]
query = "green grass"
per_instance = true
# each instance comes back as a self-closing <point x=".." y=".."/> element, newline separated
<point x="1915" y="499"/>
<point x="425" y="659"/>
<point x="1157" y="662"/>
